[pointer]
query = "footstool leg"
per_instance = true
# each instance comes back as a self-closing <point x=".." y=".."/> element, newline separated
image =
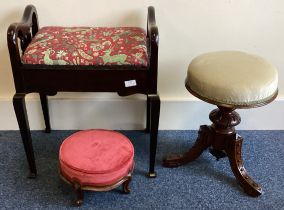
<point x="44" y="105"/>
<point x="194" y="152"/>
<point x="234" y="152"/>
<point x="154" y="101"/>
<point x="79" y="194"/>
<point x="125" y="185"/>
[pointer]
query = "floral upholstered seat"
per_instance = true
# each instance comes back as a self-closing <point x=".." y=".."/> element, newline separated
<point x="88" y="46"/>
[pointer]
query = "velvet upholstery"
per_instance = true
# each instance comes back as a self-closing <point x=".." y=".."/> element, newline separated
<point x="96" y="157"/>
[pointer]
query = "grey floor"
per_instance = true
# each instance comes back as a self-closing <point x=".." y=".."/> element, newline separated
<point x="202" y="184"/>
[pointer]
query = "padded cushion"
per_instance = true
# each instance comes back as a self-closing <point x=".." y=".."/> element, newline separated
<point x="96" y="157"/>
<point x="87" y="46"/>
<point x="232" y="78"/>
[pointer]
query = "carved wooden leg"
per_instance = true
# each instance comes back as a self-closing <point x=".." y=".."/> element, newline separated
<point x="154" y="101"/>
<point x="194" y="152"/>
<point x="125" y="185"/>
<point x="79" y="194"/>
<point x="148" y="114"/>
<point x="22" y="118"/>
<point x="234" y="152"/>
<point x="44" y="105"/>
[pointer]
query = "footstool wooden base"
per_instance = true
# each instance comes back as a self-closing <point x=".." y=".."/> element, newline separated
<point x="78" y="189"/>
<point x="96" y="160"/>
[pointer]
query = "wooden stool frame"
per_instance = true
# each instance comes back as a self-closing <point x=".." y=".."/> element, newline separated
<point x="47" y="80"/>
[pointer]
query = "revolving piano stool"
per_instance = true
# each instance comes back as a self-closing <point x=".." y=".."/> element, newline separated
<point x="230" y="80"/>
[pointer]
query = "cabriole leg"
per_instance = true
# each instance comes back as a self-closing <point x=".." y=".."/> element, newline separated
<point x="194" y="152"/>
<point x="125" y="185"/>
<point x="22" y="118"/>
<point x="234" y="153"/>
<point x="154" y="106"/>
<point x="79" y="194"/>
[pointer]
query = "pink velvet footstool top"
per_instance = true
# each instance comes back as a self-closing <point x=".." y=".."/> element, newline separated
<point x="96" y="158"/>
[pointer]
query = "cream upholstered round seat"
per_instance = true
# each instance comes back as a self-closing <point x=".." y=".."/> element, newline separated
<point x="232" y="79"/>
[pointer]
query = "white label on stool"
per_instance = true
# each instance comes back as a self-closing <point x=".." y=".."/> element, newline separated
<point x="130" y="83"/>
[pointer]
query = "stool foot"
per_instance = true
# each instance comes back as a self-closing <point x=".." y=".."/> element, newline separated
<point x="78" y="202"/>
<point x="32" y="175"/>
<point x="250" y="187"/>
<point x="47" y="130"/>
<point x="125" y="185"/>
<point x="152" y="174"/>
<point x="195" y="151"/>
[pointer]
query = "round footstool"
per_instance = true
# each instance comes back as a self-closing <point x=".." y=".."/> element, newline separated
<point x="98" y="160"/>
<point x="230" y="80"/>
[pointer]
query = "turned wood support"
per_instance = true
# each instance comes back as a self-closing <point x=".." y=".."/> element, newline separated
<point x="223" y="141"/>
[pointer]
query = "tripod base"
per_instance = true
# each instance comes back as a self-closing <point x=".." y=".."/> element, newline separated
<point x="223" y="141"/>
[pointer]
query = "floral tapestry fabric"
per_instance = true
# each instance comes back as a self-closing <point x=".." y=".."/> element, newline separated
<point x="88" y="46"/>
